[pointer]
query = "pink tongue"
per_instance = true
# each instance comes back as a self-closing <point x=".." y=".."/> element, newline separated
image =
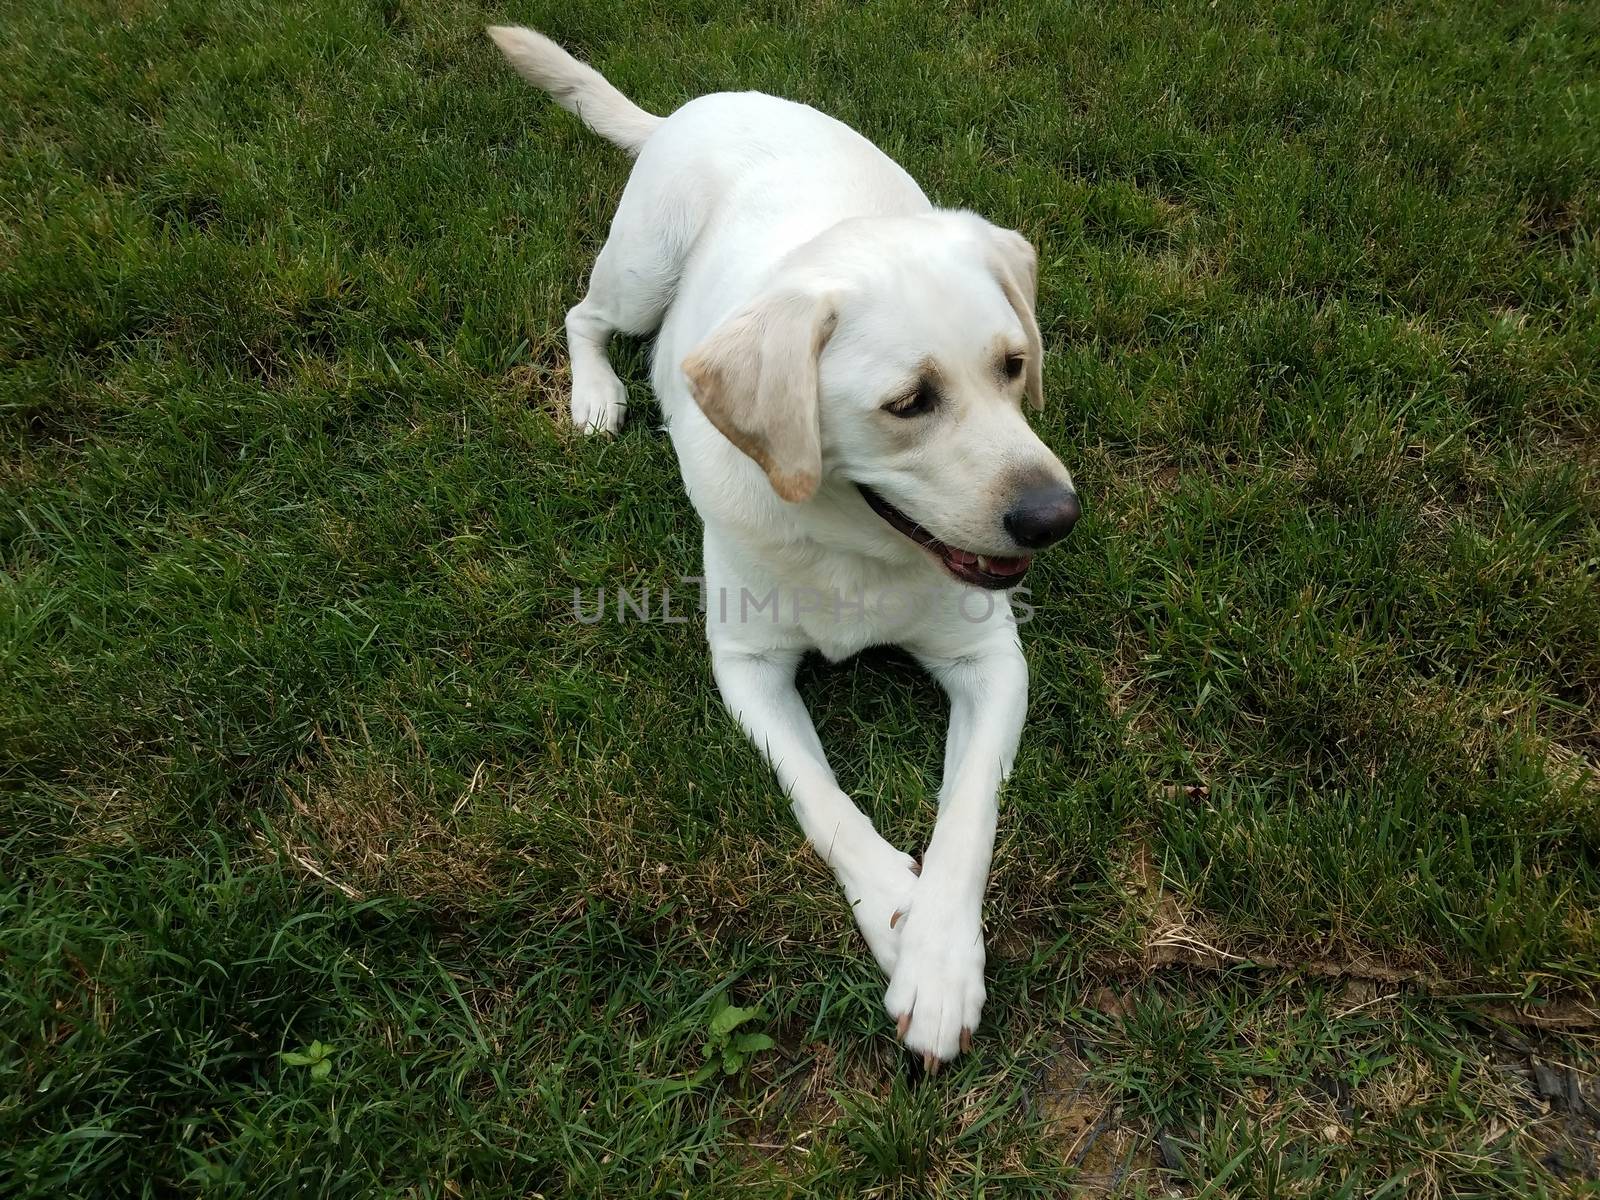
<point x="995" y="566"/>
<point x="1008" y="566"/>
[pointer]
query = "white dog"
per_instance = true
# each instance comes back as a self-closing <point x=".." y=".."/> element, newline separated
<point x="842" y="368"/>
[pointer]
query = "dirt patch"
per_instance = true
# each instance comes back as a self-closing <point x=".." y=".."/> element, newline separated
<point x="1082" y="1119"/>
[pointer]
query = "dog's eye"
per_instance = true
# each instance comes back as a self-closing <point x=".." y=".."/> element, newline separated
<point x="918" y="402"/>
<point x="1013" y="365"/>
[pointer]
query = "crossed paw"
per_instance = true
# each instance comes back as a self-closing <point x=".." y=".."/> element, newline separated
<point x="936" y="991"/>
<point x="931" y="948"/>
<point x="879" y="882"/>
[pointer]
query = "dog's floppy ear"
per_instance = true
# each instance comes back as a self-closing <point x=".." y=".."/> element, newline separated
<point x="755" y="378"/>
<point x="1017" y="267"/>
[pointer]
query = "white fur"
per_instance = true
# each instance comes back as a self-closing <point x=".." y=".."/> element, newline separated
<point x="737" y="198"/>
<point x="576" y="86"/>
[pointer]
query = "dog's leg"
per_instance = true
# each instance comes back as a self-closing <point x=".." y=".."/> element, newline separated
<point x="599" y="399"/>
<point x="611" y="306"/>
<point x="758" y="688"/>
<point x="936" y="991"/>
<point x="634" y="278"/>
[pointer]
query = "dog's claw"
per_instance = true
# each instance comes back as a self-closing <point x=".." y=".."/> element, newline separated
<point x="930" y="1064"/>
<point x="894" y="919"/>
<point x="904" y="1024"/>
<point x="966" y="1041"/>
<point x="916" y="867"/>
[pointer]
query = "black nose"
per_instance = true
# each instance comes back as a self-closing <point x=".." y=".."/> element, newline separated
<point x="1042" y="516"/>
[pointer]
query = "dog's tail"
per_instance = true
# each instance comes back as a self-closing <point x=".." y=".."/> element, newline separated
<point x="576" y="86"/>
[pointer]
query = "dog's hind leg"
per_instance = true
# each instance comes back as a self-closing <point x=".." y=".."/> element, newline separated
<point x="633" y="281"/>
<point x="599" y="398"/>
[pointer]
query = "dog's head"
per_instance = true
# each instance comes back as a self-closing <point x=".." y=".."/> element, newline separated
<point x="894" y="357"/>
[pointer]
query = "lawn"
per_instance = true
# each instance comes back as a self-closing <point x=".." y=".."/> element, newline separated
<point x="303" y="753"/>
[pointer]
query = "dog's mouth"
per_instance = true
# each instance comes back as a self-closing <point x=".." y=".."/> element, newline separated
<point x="981" y="570"/>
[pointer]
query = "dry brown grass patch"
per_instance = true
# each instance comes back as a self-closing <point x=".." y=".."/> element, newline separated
<point x="365" y="828"/>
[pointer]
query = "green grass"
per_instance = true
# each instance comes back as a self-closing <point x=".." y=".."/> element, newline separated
<point x="1300" y="866"/>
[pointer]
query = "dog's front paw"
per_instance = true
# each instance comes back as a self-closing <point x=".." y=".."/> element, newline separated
<point x="598" y="403"/>
<point x="878" y="882"/>
<point x="936" y="991"/>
